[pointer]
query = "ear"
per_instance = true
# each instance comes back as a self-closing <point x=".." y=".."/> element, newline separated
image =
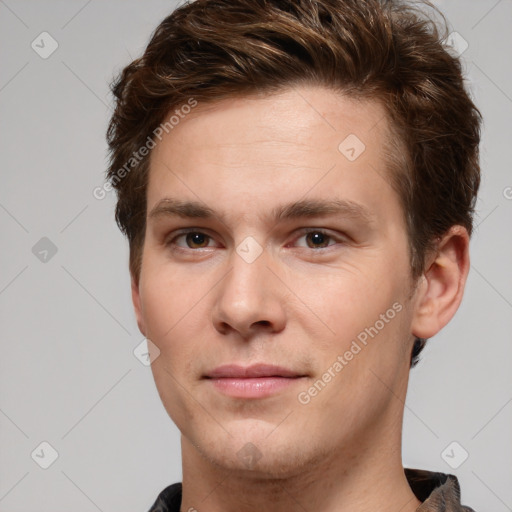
<point x="440" y="292"/>
<point x="137" y="305"/>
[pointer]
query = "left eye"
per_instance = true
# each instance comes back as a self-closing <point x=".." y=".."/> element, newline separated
<point x="316" y="240"/>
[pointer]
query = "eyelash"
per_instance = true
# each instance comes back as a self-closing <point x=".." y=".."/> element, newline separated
<point x="172" y="241"/>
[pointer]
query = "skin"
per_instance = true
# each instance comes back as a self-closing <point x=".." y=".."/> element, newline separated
<point x="300" y="304"/>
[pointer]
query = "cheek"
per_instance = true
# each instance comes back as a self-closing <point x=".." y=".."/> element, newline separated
<point x="363" y="361"/>
<point x="346" y="299"/>
<point x="159" y="307"/>
<point x="167" y="296"/>
<point x="172" y="321"/>
<point x="176" y="313"/>
<point x="364" y="320"/>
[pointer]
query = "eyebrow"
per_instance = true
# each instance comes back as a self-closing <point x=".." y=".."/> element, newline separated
<point x="306" y="208"/>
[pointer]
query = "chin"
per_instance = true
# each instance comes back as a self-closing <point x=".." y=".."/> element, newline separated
<point x="254" y="453"/>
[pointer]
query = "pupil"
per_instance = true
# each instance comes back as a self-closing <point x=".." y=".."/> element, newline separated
<point x="317" y="238"/>
<point x="196" y="239"/>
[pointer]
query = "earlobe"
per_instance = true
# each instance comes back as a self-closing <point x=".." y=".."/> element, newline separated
<point x="137" y="305"/>
<point x="440" y="294"/>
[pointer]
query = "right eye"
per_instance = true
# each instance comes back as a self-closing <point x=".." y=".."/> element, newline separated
<point x="191" y="240"/>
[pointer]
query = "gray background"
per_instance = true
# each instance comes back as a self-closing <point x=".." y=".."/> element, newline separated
<point x="68" y="375"/>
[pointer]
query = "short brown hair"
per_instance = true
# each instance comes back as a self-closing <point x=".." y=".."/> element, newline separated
<point x="383" y="50"/>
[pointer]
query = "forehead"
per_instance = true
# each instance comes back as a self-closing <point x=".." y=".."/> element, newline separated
<point x="294" y="114"/>
<point x="266" y="149"/>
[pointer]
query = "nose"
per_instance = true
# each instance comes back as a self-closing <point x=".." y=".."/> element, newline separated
<point x="250" y="299"/>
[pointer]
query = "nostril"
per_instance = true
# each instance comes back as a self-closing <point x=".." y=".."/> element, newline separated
<point x="264" y="323"/>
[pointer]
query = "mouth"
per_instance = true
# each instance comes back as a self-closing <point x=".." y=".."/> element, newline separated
<point x="256" y="381"/>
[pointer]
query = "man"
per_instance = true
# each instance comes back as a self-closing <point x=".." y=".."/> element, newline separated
<point x="296" y="179"/>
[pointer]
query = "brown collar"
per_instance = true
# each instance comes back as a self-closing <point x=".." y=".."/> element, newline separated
<point x="438" y="492"/>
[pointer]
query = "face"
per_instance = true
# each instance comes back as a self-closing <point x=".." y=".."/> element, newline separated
<point x="275" y="280"/>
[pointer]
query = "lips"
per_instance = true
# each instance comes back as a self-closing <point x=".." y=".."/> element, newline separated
<point x="256" y="381"/>
<point x="234" y="371"/>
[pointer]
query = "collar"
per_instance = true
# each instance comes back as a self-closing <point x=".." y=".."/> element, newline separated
<point x="438" y="492"/>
